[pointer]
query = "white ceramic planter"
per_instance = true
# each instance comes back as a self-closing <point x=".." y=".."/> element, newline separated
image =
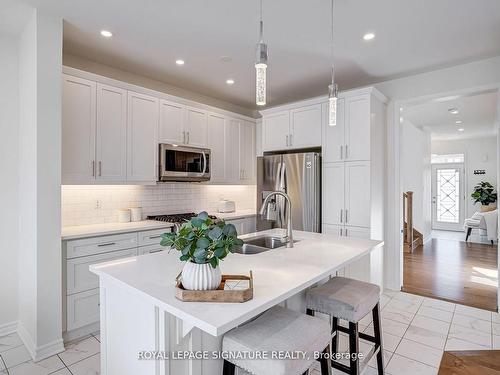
<point x="200" y="276"/>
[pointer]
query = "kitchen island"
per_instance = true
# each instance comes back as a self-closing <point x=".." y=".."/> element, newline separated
<point x="139" y="311"/>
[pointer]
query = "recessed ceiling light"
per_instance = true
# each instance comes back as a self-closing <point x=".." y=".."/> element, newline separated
<point x="230" y="81"/>
<point x="179" y="62"/>
<point x="106" y="33"/>
<point x="453" y="111"/>
<point x="458" y="122"/>
<point x="368" y="36"/>
<point x="461" y="129"/>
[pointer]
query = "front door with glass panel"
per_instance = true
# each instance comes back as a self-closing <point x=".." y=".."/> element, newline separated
<point x="448" y="197"/>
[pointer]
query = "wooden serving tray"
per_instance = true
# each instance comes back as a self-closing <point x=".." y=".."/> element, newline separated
<point x="219" y="294"/>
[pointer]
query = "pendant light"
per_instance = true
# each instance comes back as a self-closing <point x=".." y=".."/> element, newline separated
<point x="333" y="91"/>
<point x="261" y="66"/>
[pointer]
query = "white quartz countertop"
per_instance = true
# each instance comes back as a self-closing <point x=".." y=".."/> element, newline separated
<point x="278" y="274"/>
<point x="82" y="231"/>
<point x="238" y="214"/>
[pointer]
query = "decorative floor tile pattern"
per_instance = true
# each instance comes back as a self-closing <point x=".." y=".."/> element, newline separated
<point x="416" y="330"/>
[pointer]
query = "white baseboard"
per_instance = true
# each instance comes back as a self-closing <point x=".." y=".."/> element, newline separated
<point x="39" y="352"/>
<point x="8" y="328"/>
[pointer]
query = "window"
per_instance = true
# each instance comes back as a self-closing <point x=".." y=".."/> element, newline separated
<point x="444" y="159"/>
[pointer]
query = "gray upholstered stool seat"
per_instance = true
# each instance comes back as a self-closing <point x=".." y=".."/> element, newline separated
<point x="278" y="329"/>
<point x="344" y="298"/>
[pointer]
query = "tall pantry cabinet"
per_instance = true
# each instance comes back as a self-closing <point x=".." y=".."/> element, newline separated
<point x="353" y="175"/>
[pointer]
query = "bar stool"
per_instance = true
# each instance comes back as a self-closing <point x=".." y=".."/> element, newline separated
<point x="278" y="330"/>
<point x="350" y="300"/>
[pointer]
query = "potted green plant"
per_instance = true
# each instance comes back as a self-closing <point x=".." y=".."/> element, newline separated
<point x="485" y="194"/>
<point x="203" y="242"/>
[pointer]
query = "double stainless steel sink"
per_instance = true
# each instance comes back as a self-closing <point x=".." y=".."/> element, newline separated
<point x="260" y="244"/>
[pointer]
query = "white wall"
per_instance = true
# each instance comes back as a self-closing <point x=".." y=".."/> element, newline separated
<point x="416" y="174"/>
<point x="480" y="153"/>
<point x="79" y="202"/>
<point x="9" y="123"/>
<point x="40" y="64"/>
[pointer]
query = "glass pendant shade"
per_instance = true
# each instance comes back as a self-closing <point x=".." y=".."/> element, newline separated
<point x="260" y="83"/>
<point x="332" y="101"/>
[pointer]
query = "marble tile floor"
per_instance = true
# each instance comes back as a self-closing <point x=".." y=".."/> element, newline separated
<point x="416" y="331"/>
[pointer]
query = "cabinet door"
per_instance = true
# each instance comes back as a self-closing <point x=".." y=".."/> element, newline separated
<point x="276" y="130"/>
<point x="232" y="150"/>
<point x="247" y="151"/>
<point x="111" y="148"/>
<point x="142" y="138"/>
<point x="357" y="232"/>
<point x="357" y="119"/>
<point x="171" y="128"/>
<point x="82" y="309"/>
<point x="357" y="194"/>
<point x="333" y="193"/>
<point x="333" y="136"/>
<point x="305" y="127"/>
<point x="216" y="130"/>
<point x="78" y="130"/>
<point x="196" y="127"/>
<point x="336" y="230"/>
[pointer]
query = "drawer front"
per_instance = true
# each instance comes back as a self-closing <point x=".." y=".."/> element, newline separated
<point x="152" y="237"/>
<point x="79" y="278"/>
<point x="150" y="249"/>
<point x="82" y="309"/>
<point x="99" y="245"/>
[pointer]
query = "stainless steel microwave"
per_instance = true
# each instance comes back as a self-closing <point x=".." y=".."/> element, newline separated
<point x="181" y="163"/>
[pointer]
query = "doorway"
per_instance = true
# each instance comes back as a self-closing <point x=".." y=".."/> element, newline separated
<point x="448" y="197"/>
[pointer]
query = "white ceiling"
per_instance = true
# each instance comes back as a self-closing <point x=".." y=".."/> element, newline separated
<point x="477" y="113"/>
<point x="149" y="35"/>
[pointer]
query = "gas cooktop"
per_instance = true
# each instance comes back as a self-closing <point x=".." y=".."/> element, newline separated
<point x="175" y="218"/>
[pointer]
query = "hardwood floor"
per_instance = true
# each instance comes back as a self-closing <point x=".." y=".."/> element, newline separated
<point x="484" y="362"/>
<point x="454" y="271"/>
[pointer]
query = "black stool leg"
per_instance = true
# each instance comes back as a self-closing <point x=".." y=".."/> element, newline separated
<point x="378" y="339"/>
<point x="335" y="340"/>
<point x="228" y="368"/>
<point x="354" y="347"/>
<point x="326" y="368"/>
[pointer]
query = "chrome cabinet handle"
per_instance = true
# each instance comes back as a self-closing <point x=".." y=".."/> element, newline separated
<point x="340" y="232"/>
<point x="341" y="152"/>
<point x="153" y="237"/>
<point x="184" y="137"/>
<point x="188" y="137"/>
<point x="93" y="168"/>
<point x="286" y="139"/>
<point x="346" y="152"/>
<point x="106" y="244"/>
<point x="100" y="168"/>
<point x="291" y="143"/>
<point x="341" y="214"/>
<point x="346" y="217"/>
<point x="346" y="233"/>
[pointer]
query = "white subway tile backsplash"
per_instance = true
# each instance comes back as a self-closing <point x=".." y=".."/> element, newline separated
<point x="94" y="204"/>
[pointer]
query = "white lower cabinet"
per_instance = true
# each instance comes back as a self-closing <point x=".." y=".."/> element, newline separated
<point x="81" y="287"/>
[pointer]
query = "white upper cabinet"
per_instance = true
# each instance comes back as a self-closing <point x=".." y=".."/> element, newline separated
<point x="305" y="127"/>
<point x="171" y="128"/>
<point x="143" y="114"/>
<point x="216" y="129"/>
<point x="357" y="128"/>
<point x="232" y="150"/>
<point x="333" y="193"/>
<point x="357" y="194"/>
<point x="276" y="129"/>
<point x="247" y="151"/>
<point x="78" y="130"/>
<point x="196" y="127"/>
<point x="111" y="140"/>
<point x="333" y="136"/>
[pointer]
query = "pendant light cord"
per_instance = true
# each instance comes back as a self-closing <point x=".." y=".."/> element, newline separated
<point x="261" y="24"/>
<point x="331" y="47"/>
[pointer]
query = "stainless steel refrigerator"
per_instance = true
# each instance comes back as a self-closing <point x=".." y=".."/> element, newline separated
<point x="298" y="175"/>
